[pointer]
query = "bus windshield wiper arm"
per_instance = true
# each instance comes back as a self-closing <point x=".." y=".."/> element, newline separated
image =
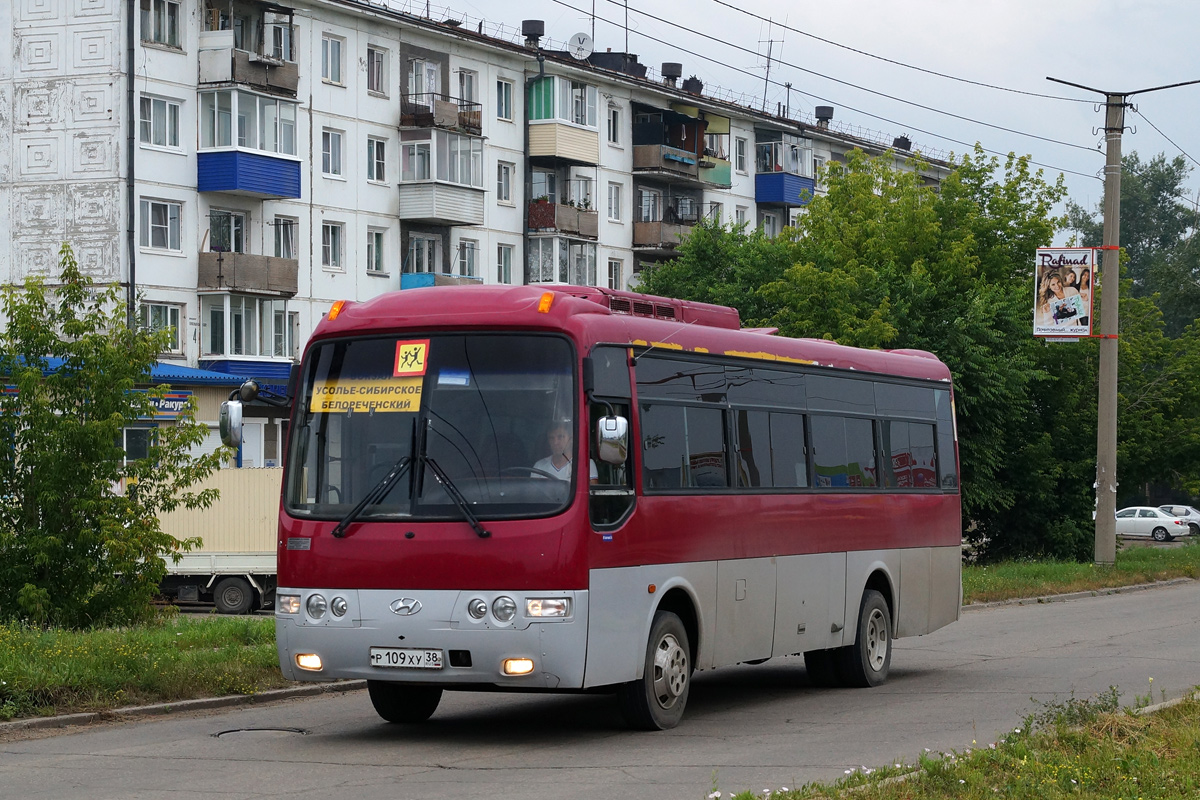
<point x="457" y="497"/>
<point x="374" y="496"/>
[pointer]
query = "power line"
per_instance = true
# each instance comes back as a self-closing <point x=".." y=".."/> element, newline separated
<point x="921" y="106"/>
<point x="901" y="63"/>
<point x="1168" y="138"/>
<point x="902" y="125"/>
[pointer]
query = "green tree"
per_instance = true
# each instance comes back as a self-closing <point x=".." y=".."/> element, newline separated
<point x="1158" y="233"/>
<point x="73" y="551"/>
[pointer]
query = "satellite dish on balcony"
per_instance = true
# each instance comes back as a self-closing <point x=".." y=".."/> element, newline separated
<point x="580" y="46"/>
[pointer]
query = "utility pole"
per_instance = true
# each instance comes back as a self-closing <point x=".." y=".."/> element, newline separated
<point x="1110" y="267"/>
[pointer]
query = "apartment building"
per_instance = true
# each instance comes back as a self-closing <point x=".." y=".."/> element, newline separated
<point x="239" y="165"/>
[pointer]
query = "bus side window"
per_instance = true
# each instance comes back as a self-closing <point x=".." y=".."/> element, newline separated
<point x="612" y="497"/>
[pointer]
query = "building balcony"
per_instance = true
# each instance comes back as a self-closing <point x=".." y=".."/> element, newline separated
<point x="783" y="189"/>
<point x="432" y="110"/>
<point x="659" y="236"/>
<point x="667" y="162"/>
<point x="437" y="203"/>
<point x="546" y="216"/>
<point x="716" y="172"/>
<point x="255" y="174"/>
<point x="221" y="62"/>
<point x="559" y="141"/>
<point x="243" y="272"/>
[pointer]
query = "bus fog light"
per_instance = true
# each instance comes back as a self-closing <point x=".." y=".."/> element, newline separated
<point x="517" y="666"/>
<point x="339" y="606"/>
<point x="287" y="603"/>
<point x="477" y="608"/>
<point x="308" y="661"/>
<point x="504" y="608"/>
<point x="547" y="607"/>
<point x="316" y="606"/>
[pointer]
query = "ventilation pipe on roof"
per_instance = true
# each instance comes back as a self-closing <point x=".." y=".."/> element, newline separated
<point x="671" y="72"/>
<point x="533" y="30"/>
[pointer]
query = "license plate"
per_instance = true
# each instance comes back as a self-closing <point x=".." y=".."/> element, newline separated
<point x="406" y="658"/>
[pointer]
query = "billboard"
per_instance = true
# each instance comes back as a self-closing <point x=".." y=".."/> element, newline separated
<point x="1062" y="301"/>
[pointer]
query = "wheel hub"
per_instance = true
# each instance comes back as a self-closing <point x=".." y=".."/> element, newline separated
<point x="670" y="671"/>
<point x="877" y="643"/>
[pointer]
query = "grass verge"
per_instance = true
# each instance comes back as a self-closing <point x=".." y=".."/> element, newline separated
<point x="1134" y="565"/>
<point x="45" y="672"/>
<point x="1076" y="749"/>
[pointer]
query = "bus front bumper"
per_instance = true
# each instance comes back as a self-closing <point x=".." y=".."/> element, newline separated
<point x="446" y="637"/>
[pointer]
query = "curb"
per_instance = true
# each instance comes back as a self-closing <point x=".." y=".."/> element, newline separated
<point x="1058" y="598"/>
<point x="203" y="703"/>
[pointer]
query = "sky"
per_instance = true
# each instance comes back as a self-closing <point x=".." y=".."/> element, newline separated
<point x="1112" y="45"/>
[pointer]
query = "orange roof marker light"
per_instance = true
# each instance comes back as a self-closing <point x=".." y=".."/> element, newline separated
<point x="545" y="303"/>
<point x="336" y="309"/>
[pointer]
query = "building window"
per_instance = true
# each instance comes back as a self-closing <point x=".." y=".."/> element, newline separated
<point x="331" y="152"/>
<point x="580" y="192"/>
<point x="158" y="317"/>
<point x="226" y="232"/>
<point x="545" y="185"/>
<point x="504" y="109"/>
<point x="423" y="254"/>
<point x="285" y="237"/>
<point x="615" y="270"/>
<point x="229" y="118"/>
<point x="136" y="443"/>
<point x="614" y="125"/>
<point x="424" y="79"/>
<point x="280" y="36"/>
<point x="375" y="250"/>
<point x="375" y="159"/>
<point x="331" y="245"/>
<point x="159" y="122"/>
<point x="459" y="159"/>
<point x="819" y="171"/>
<point x="739" y="215"/>
<point x="467" y="81"/>
<point x="504" y="256"/>
<point x="739" y="154"/>
<point x="575" y="101"/>
<point x="716" y="212"/>
<point x="468" y="251"/>
<point x="504" y="173"/>
<point x="331" y="59"/>
<point x="417" y="165"/>
<point x="160" y="22"/>
<point x="579" y="102"/>
<point x="614" y="202"/>
<point x="237" y="325"/>
<point x="376" y="70"/>
<point x="650" y="206"/>
<point x="160" y="225"/>
<point x="770" y="225"/>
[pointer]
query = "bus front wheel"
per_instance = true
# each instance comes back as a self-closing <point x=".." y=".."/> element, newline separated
<point x="656" y="700"/>
<point x="396" y="702"/>
<point x="867" y="661"/>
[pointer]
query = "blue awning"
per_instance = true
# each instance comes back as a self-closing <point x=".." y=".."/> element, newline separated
<point x="176" y="375"/>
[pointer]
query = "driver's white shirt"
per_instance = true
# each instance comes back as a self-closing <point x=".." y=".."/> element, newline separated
<point x="564" y="473"/>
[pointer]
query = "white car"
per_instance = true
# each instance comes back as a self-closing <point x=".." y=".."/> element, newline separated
<point x="1186" y="513"/>
<point x="1152" y="522"/>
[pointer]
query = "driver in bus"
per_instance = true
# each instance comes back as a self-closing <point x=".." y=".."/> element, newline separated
<point x="558" y="463"/>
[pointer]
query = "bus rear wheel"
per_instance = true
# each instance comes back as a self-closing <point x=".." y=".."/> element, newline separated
<point x="397" y="702"/>
<point x="655" y="702"/>
<point x="867" y="661"/>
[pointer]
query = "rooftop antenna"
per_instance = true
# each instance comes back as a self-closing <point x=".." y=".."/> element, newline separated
<point x="767" y="79"/>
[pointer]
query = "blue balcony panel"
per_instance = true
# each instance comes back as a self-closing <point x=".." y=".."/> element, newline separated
<point x="783" y="189"/>
<point x="254" y="174"/>
<point x="270" y="371"/>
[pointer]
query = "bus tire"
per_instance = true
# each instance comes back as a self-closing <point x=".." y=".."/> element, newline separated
<point x="655" y="702"/>
<point x="401" y="703"/>
<point x="233" y="595"/>
<point x="867" y="661"/>
<point x="822" y="668"/>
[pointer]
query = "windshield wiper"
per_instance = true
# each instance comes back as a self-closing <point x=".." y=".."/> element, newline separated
<point x="375" y="495"/>
<point x="457" y="497"/>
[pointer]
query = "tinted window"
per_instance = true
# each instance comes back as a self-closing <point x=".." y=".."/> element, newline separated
<point x="860" y="452"/>
<point x="683" y="447"/>
<point x="610" y="370"/>
<point x="752" y="430"/>
<point x="829" y="451"/>
<point x="666" y="379"/>
<point x="789" y="463"/>
<point x="947" y="461"/>
<point x="908" y="455"/>
<point x="840" y="394"/>
<point x="1126" y="514"/>
<point x="893" y="399"/>
<point x="765" y="387"/>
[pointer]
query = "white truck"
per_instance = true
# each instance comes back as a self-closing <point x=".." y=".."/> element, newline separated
<point x="234" y="566"/>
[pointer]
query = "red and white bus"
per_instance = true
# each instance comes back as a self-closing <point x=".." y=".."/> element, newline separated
<point x="747" y="496"/>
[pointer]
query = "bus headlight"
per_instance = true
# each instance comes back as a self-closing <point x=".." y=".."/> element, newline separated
<point x="316" y="606"/>
<point x="287" y="603"/>
<point x="339" y="606"/>
<point x="504" y="608"/>
<point x="477" y="608"/>
<point x="547" y="607"/>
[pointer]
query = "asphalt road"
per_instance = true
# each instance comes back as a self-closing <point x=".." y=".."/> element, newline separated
<point x="754" y="727"/>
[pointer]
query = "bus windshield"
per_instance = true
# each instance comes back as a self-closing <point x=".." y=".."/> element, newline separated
<point x="476" y="408"/>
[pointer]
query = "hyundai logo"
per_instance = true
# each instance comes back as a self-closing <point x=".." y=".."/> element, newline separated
<point x="405" y="606"/>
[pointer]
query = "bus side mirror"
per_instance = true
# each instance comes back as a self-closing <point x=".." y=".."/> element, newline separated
<point x="230" y="423"/>
<point x="612" y="439"/>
